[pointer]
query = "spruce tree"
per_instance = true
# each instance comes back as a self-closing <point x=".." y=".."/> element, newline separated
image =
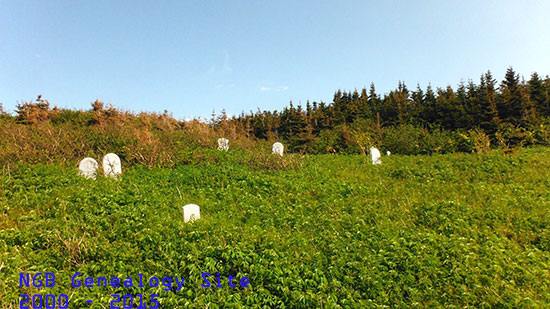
<point x="487" y="96"/>
<point x="546" y="107"/>
<point x="417" y="99"/>
<point x="428" y="114"/>
<point x="373" y="100"/>
<point x="447" y="108"/>
<point x="510" y="103"/>
<point x="461" y="121"/>
<point x="539" y="95"/>
<point x="472" y="105"/>
<point x="364" y="108"/>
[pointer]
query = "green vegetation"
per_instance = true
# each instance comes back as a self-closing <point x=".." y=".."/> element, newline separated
<point x="466" y="226"/>
<point x="315" y="231"/>
<point x="472" y="118"/>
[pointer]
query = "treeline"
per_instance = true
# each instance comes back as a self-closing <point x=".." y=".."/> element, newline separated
<point x="474" y="117"/>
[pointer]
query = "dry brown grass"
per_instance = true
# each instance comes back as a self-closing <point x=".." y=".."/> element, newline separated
<point x="40" y="134"/>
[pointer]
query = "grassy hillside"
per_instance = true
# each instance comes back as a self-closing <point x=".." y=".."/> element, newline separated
<point x="318" y="231"/>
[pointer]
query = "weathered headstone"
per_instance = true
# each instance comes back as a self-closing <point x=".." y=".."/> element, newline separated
<point x="278" y="148"/>
<point x="388" y="153"/>
<point x="223" y="144"/>
<point x="111" y="165"/>
<point x="375" y="155"/>
<point x="88" y="168"/>
<point x="191" y="212"/>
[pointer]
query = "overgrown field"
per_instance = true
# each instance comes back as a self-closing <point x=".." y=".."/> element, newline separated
<point x="325" y="231"/>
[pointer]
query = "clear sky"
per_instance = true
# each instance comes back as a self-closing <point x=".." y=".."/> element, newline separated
<point x="190" y="57"/>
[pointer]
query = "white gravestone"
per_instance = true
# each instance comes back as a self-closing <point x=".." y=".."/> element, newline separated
<point x="111" y="165"/>
<point x="191" y="212"/>
<point x="88" y="168"/>
<point x="223" y="144"/>
<point x="278" y="148"/>
<point x="375" y="155"/>
<point x="388" y="153"/>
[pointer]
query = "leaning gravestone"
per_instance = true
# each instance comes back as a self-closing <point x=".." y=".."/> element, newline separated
<point x="88" y="168"/>
<point x="223" y="144"/>
<point x="375" y="155"/>
<point x="278" y="148"/>
<point x="191" y="212"/>
<point x="111" y="165"/>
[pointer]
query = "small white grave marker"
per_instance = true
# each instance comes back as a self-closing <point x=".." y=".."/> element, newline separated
<point x="375" y="155"/>
<point x="278" y="148"/>
<point x="88" y="168"/>
<point x="191" y="212"/>
<point x="111" y="165"/>
<point x="388" y="153"/>
<point x="223" y="144"/>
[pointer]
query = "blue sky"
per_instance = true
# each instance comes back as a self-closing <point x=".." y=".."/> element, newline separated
<point x="190" y="57"/>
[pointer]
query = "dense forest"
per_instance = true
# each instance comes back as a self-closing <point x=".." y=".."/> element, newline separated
<point x="476" y="117"/>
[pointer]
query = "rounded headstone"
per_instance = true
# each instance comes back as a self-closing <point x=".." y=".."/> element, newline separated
<point x="375" y="155"/>
<point x="223" y="144"/>
<point x="111" y="165"/>
<point x="278" y="148"/>
<point x="88" y="168"/>
<point x="191" y="212"/>
<point x="388" y="153"/>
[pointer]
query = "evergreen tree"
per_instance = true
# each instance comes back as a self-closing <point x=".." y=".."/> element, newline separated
<point x="539" y="95"/>
<point x="304" y="137"/>
<point x="373" y="101"/>
<point x="404" y="109"/>
<point x="354" y="107"/>
<point x="389" y="112"/>
<point x="339" y="104"/>
<point x="546" y="107"/>
<point x="488" y="117"/>
<point x="428" y="114"/>
<point x="364" y="108"/>
<point x="472" y="106"/>
<point x="447" y="109"/>
<point x="417" y="98"/>
<point x="510" y="105"/>
<point x="461" y="103"/>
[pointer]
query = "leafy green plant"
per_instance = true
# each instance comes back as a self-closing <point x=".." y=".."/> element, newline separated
<point x="449" y="230"/>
